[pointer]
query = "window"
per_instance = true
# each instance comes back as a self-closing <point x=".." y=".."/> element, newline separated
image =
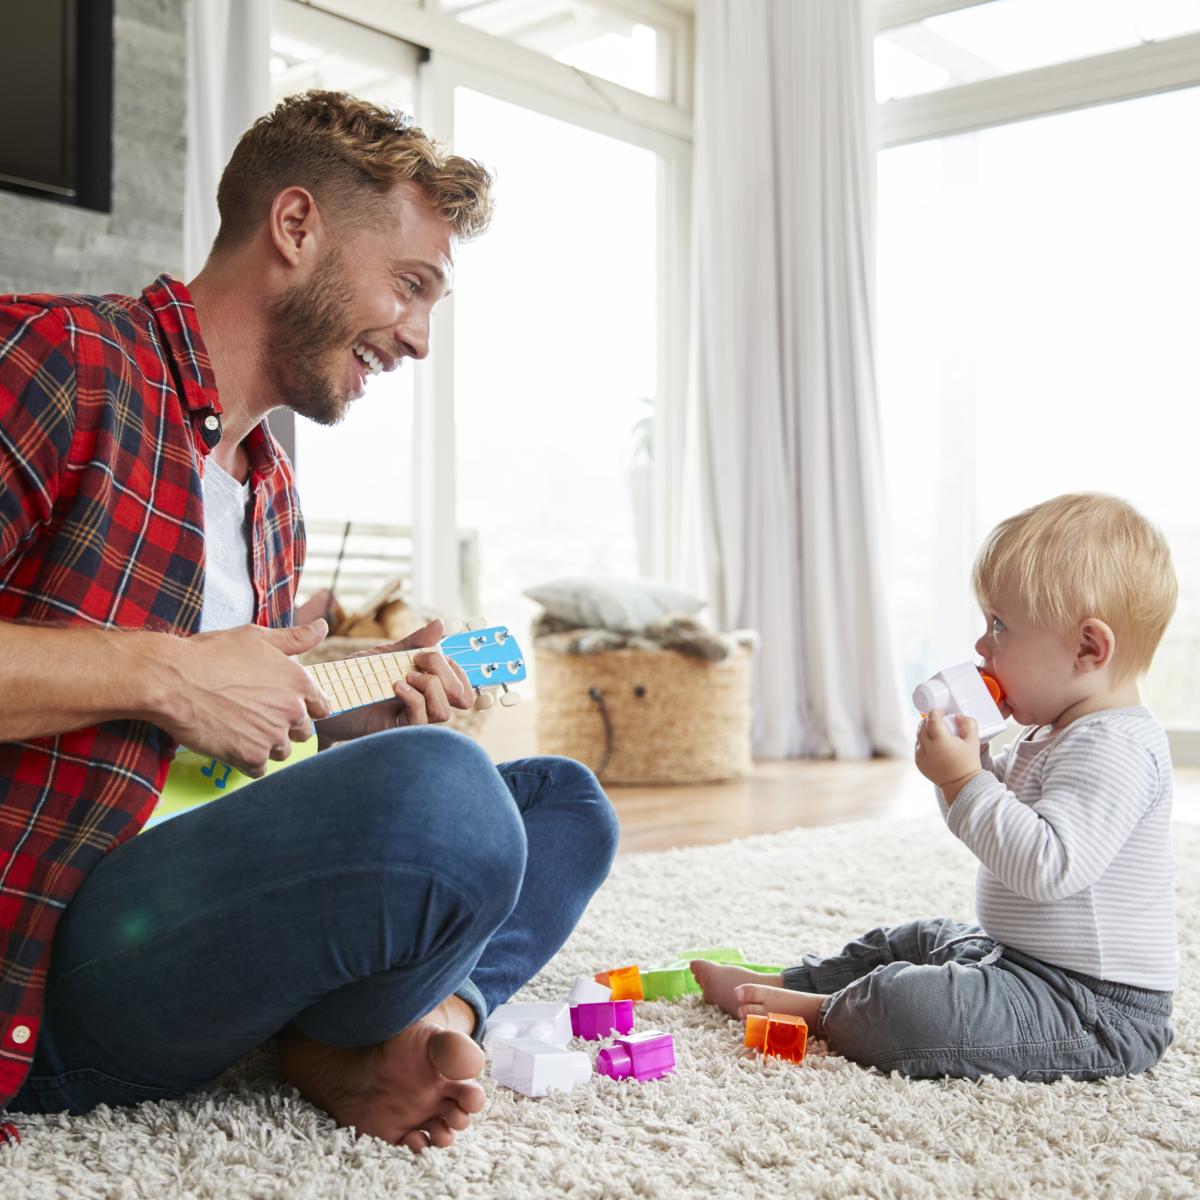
<point x="603" y="39"/>
<point x="983" y="41"/>
<point x="1038" y="311"/>
<point x="556" y="368"/>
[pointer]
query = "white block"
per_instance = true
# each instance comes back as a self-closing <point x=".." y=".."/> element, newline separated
<point x="585" y="990"/>
<point x="535" y="1068"/>
<point x="546" y="1022"/>
<point x="959" y="691"/>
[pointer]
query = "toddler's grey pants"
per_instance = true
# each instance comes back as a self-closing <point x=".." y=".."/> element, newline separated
<point x="935" y="997"/>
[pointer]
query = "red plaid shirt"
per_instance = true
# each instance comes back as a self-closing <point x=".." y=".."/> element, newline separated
<point x="106" y="403"/>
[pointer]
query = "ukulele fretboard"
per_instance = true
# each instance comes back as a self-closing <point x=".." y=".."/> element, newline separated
<point x="353" y="682"/>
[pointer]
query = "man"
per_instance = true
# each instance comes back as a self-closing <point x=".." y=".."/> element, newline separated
<point x="370" y="904"/>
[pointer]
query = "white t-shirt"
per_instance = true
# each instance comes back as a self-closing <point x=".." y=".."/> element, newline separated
<point x="228" y="582"/>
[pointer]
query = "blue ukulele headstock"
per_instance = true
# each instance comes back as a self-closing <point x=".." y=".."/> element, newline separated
<point x="490" y="657"/>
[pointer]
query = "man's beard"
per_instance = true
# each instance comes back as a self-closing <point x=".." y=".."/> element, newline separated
<point x="305" y="327"/>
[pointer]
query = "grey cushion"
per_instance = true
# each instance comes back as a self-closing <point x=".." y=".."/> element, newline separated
<point x="604" y="602"/>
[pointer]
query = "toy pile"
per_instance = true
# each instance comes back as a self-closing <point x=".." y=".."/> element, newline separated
<point x="528" y="1042"/>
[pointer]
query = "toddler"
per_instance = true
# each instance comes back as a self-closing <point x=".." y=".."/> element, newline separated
<point x="1071" y="968"/>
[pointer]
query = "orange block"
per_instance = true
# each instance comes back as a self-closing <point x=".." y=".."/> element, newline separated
<point x="626" y="982"/>
<point x="756" y="1031"/>
<point x="779" y="1034"/>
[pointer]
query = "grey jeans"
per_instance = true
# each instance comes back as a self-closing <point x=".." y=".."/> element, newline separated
<point x="935" y="997"/>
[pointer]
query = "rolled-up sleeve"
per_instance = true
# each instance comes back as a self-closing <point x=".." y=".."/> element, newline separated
<point x="37" y="418"/>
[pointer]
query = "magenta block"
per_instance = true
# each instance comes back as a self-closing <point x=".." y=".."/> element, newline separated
<point x="641" y="1055"/>
<point x="595" y="1019"/>
<point x="623" y="1015"/>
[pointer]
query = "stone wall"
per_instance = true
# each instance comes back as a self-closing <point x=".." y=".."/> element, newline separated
<point x="46" y="246"/>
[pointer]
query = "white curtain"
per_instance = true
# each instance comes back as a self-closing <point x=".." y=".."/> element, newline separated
<point x="785" y="454"/>
<point x="229" y="85"/>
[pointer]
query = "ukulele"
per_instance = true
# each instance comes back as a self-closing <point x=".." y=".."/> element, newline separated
<point x="490" y="658"/>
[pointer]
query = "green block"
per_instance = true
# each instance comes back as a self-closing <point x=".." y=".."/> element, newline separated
<point x="667" y="983"/>
<point x="720" y="954"/>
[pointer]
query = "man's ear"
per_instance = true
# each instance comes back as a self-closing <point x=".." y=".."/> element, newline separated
<point x="1095" y="646"/>
<point x="295" y="224"/>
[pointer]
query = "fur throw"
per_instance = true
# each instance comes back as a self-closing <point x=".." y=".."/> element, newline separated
<point x="675" y="631"/>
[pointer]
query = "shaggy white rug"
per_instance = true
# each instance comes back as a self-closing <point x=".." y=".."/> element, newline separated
<point x="726" y="1123"/>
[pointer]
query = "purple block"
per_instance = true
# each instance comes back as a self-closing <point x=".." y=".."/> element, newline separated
<point x="623" y="1015"/>
<point x="596" y="1019"/>
<point x="642" y="1055"/>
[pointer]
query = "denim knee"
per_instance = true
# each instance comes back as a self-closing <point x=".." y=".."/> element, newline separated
<point x="592" y="821"/>
<point x="468" y="824"/>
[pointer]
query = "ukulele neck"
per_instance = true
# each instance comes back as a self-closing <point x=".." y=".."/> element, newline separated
<point x="353" y="682"/>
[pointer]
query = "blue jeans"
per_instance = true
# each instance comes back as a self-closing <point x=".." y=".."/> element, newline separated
<point x="349" y="895"/>
<point x="935" y="998"/>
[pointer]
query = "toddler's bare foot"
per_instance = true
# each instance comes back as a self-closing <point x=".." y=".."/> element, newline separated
<point x="762" y="999"/>
<point x="414" y="1090"/>
<point x="718" y="981"/>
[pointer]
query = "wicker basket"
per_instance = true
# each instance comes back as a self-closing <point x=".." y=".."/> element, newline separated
<point x="646" y="716"/>
<point x="469" y="721"/>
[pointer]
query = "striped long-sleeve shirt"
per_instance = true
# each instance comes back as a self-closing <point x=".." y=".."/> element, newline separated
<point x="1073" y="836"/>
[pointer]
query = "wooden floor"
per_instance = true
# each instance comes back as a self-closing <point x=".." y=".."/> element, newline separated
<point x="777" y="796"/>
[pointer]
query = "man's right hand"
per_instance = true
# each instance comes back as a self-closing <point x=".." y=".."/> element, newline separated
<point x="240" y="696"/>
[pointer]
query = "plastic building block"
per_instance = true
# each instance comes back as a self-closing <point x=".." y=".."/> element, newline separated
<point x="586" y="990"/>
<point x="545" y="1022"/>
<point x="534" y="1067"/>
<point x="626" y="982"/>
<point x="641" y="1055"/>
<point x="720" y="954"/>
<point x="667" y="983"/>
<point x="598" y="1020"/>
<point x="963" y="690"/>
<point x="690" y="986"/>
<point x="777" y="1034"/>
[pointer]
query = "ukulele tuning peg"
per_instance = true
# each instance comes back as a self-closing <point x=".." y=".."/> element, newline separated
<point x="483" y="700"/>
<point x="508" y="698"/>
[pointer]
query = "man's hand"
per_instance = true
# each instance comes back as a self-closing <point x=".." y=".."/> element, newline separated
<point x="948" y="760"/>
<point x="239" y="694"/>
<point x="424" y="697"/>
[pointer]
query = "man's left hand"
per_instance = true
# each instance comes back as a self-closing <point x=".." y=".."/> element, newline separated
<point x="424" y="697"/>
<point x="948" y="759"/>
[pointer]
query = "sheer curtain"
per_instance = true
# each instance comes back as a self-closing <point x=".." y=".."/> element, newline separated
<point x="228" y="87"/>
<point x="785" y="452"/>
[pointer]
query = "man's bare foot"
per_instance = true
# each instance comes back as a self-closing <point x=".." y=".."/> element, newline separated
<point x="718" y="981"/>
<point x="414" y="1090"/>
<point x="762" y="999"/>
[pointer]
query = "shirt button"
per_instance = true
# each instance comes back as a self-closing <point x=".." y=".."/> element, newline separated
<point x="20" y="1034"/>
<point x="212" y="422"/>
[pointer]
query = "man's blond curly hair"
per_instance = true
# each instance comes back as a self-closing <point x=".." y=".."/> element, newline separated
<point x="344" y="150"/>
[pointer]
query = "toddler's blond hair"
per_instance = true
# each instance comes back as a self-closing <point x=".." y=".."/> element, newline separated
<point x="1081" y="555"/>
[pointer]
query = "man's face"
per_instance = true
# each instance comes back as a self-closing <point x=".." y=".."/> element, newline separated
<point x="363" y="308"/>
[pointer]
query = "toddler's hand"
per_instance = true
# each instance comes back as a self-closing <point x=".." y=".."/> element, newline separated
<point x="945" y="759"/>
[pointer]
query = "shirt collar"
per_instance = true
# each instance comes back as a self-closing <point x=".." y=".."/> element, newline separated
<point x="171" y="304"/>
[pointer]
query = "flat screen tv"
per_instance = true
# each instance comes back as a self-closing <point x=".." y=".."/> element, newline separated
<point x="56" y="99"/>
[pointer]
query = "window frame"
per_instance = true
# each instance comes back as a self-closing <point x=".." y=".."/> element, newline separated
<point x="1159" y="66"/>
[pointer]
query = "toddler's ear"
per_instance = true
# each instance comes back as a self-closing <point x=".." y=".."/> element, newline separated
<point x="1095" y="646"/>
